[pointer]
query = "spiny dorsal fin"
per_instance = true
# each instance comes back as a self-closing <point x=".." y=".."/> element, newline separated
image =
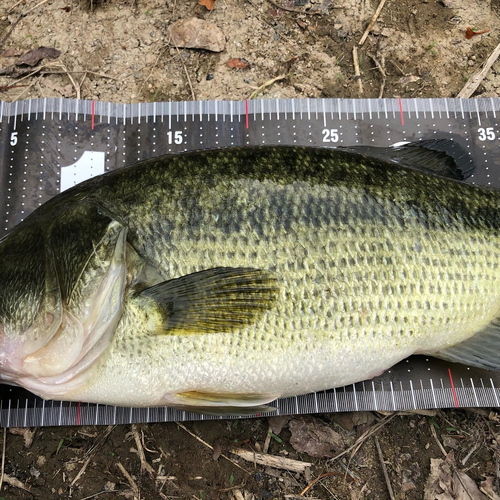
<point x="482" y="350"/>
<point x="442" y="157"/>
<point x="214" y="300"/>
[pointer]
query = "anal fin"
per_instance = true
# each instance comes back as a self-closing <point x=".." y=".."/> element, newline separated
<point x="481" y="351"/>
<point x="221" y="403"/>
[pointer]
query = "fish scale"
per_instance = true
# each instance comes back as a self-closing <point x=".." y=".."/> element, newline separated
<point x="306" y="122"/>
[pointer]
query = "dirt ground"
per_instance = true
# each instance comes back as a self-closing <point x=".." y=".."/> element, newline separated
<point x="119" y="51"/>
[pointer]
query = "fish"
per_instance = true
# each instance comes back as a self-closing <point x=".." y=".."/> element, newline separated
<point x="219" y="281"/>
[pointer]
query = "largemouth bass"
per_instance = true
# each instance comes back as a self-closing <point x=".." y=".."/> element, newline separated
<point x="226" y="279"/>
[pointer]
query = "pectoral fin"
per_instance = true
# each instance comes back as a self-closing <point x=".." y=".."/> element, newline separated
<point x="221" y="403"/>
<point x="215" y="300"/>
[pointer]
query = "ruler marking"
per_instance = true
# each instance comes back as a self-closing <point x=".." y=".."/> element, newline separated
<point x="186" y="112"/>
<point x="335" y="399"/>
<point x="370" y="108"/>
<point x="324" y="112"/>
<point x="392" y="394"/>
<point x="374" y="396"/>
<point x="43" y="412"/>
<point x="432" y="108"/>
<point x="45" y="108"/>
<point x="60" y="412"/>
<point x="170" y="115"/>
<point x="453" y="388"/>
<point x="96" y="413"/>
<point x="308" y="109"/>
<point x="385" y="109"/>
<point x="446" y="106"/>
<point x="461" y="108"/>
<point x="277" y="109"/>
<point x="355" y="397"/>
<point x="494" y="392"/>
<point x="78" y="409"/>
<point x="474" y="391"/>
<point x="231" y="110"/>
<point x="493" y="107"/>
<point x="316" y="402"/>
<point x="477" y="111"/>
<point x="401" y="112"/>
<point x="293" y="109"/>
<point x="92" y="116"/>
<point x="340" y="111"/>
<point x="114" y="415"/>
<point x="354" y="109"/>
<point x="216" y="111"/>
<point x="413" y="395"/>
<point x="15" y="115"/>
<point x="296" y="404"/>
<point x="8" y="415"/>
<point x="246" y="113"/>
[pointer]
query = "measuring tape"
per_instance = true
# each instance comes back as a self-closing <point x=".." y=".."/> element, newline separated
<point x="49" y="145"/>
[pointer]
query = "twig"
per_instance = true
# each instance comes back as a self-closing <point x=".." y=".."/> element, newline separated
<point x="384" y="468"/>
<point x="3" y="456"/>
<point x="186" y="71"/>
<point x="314" y="481"/>
<point x="128" y="477"/>
<point x="434" y="434"/>
<point x="267" y="442"/>
<point x="382" y="72"/>
<point x="210" y="446"/>
<point x="474" y="81"/>
<point x="140" y="451"/>
<point x="471" y="451"/>
<point x="14" y="6"/>
<point x="271" y="460"/>
<point x="356" y="68"/>
<point x="372" y="22"/>
<point x="353" y="449"/>
<point x="75" y="85"/>
<point x="99" y="493"/>
<point x="13" y="481"/>
<point x="264" y="85"/>
<point x="99" y="442"/>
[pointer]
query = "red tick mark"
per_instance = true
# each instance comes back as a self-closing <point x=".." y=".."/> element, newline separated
<point x="93" y="112"/>
<point x="401" y="111"/>
<point x="246" y="112"/>
<point x="78" y="414"/>
<point x="453" y="388"/>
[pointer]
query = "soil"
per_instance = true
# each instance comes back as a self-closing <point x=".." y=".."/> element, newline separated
<point x="119" y="51"/>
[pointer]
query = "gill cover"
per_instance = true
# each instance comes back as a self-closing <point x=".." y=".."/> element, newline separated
<point x="85" y="276"/>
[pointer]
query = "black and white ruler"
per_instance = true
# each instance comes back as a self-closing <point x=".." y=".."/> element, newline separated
<point x="49" y="145"/>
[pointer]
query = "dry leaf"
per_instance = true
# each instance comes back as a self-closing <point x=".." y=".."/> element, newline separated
<point x="237" y="63"/>
<point x="312" y="436"/>
<point x="301" y="24"/>
<point x="34" y="56"/>
<point x="469" y="32"/>
<point x="278" y="423"/>
<point x="209" y="4"/>
<point x="405" y="80"/>
<point x="465" y="488"/>
<point x="488" y="487"/>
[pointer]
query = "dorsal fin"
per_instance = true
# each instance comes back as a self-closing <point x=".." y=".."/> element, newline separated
<point x="442" y="157"/>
